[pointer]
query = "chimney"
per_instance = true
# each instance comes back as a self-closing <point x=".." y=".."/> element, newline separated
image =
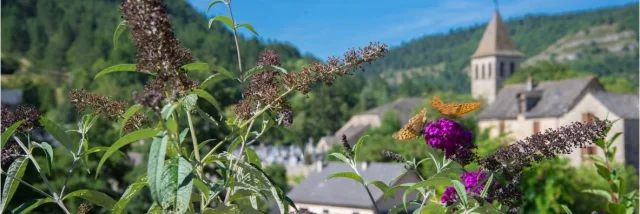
<point x="530" y="83"/>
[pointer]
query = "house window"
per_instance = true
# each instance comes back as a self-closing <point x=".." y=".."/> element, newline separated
<point x="325" y="211"/>
<point x="489" y="70"/>
<point x="501" y="127"/>
<point x="482" y="71"/>
<point x="536" y="126"/>
<point x="477" y="72"/>
<point x="501" y="69"/>
<point x="512" y="68"/>
<point x="355" y="212"/>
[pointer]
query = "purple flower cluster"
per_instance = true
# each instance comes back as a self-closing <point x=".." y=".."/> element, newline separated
<point x="452" y="138"/>
<point x="470" y="180"/>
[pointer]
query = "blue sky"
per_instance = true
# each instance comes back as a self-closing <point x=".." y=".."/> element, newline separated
<point x="329" y="27"/>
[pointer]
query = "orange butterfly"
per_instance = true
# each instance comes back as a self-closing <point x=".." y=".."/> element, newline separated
<point x="454" y="109"/>
<point x="413" y="128"/>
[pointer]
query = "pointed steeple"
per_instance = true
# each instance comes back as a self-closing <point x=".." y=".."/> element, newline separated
<point x="495" y="40"/>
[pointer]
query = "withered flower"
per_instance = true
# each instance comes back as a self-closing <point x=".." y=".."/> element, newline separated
<point x="10" y="152"/>
<point x="348" y="151"/>
<point x="8" y="118"/>
<point x="395" y="156"/>
<point x="27" y="113"/>
<point x="102" y="105"/>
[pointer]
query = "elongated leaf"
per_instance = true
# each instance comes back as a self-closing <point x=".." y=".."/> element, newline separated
<point x="58" y="133"/>
<point x="155" y="166"/>
<point x="460" y="191"/>
<point x="132" y="110"/>
<point x="487" y="185"/>
<point x="603" y="171"/>
<point x="261" y="68"/>
<point x="595" y="158"/>
<point x="223" y="209"/>
<point x="206" y="116"/>
<point x="205" y="95"/>
<point x="102" y="149"/>
<point x="117" y="68"/>
<point x="189" y="102"/>
<point x="250" y="27"/>
<point x="16" y="169"/>
<point x="7" y="134"/>
<point x="224" y="71"/>
<point x="290" y="202"/>
<point x="119" y="30"/>
<point x="48" y="151"/>
<point x="613" y="139"/>
<point x="434" y="181"/>
<point x="341" y="157"/>
<point x="566" y="209"/>
<point x="168" y="109"/>
<point x="252" y="156"/>
<point x="95" y="197"/>
<point x="381" y="185"/>
<point x="129" y="193"/>
<point x="213" y="3"/>
<point x="224" y="19"/>
<point x="176" y="185"/>
<point x="432" y="208"/>
<point x="616" y="208"/>
<point x="196" y="66"/>
<point x="599" y="192"/>
<point x="213" y="79"/>
<point x="234" y="144"/>
<point x="28" y="206"/>
<point x="127" y="139"/>
<point x="289" y="133"/>
<point x="350" y="175"/>
<point x="357" y="147"/>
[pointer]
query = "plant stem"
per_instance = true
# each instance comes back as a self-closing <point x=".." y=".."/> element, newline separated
<point x="55" y="197"/>
<point x="372" y="200"/>
<point x="73" y="165"/>
<point x="235" y="36"/>
<point x="196" y="151"/>
<point x="235" y="166"/>
<point x="27" y="184"/>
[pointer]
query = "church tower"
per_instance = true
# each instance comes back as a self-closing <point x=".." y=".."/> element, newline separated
<point x="495" y="60"/>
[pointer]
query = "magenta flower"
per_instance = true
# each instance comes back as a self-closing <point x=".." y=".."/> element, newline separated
<point x="452" y="138"/>
<point x="470" y="180"/>
<point x="449" y="195"/>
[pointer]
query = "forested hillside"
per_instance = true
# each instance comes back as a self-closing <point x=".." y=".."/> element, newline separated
<point x="533" y="34"/>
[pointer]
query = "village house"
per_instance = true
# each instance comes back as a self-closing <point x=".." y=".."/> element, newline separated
<point x="358" y="124"/>
<point x="527" y="108"/>
<point x="346" y="196"/>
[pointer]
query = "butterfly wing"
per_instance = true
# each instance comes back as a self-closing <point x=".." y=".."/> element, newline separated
<point x="413" y="128"/>
<point x="467" y="107"/>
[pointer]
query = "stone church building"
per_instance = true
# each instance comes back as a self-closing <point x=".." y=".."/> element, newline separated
<point x="520" y="110"/>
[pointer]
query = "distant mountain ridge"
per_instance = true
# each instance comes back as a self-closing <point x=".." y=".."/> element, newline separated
<point x="579" y="37"/>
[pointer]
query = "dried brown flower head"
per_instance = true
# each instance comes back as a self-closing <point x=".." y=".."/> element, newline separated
<point x="395" y="156"/>
<point x="84" y="208"/>
<point x="27" y="113"/>
<point x="102" y="105"/>
<point x="8" y="118"/>
<point x="346" y="148"/>
<point x="10" y="152"/>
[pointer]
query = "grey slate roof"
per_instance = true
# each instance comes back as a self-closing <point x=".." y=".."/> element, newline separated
<point x="558" y="97"/>
<point x="344" y="192"/>
<point x="624" y="105"/>
<point x="404" y="108"/>
<point x="11" y="97"/>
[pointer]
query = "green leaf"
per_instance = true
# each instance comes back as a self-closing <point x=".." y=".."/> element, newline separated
<point x="183" y="134"/>
<point x="223" y="209"/>
<point x="206" y="116"/>
<point x="127" y="139"/>
<point x="48" y="151"/>
<point x="172" y="125"/>
<point x="487" y="185"/>
<point x="349" y="175"/>
<point x="7" y="134"/>
<point x="603" y="172"/>
<point x="381" y="185"/>
<point x="253" y="157"/>
<point x="341" y="157"/>
<point x="16" y="169"/>
<point x="119" y="30"/>
<point x="129" y="193"/>
<point x="460" y="191"/>
<point x="213" y="3"/>
<point x="226" y="20"/>
<point x="95" y="197"/>
<point x="434" y="181"/>
<point x="224" y="71"/>
<point x="250" y="27"/>
<point x="168" y="109"/>
<point x="612" y="139"/>
<point x="566" y="209"/>
<point x="357" y="147"/>
<point x="58" y="133"/>
<point x="117" y="68"/>
<point x="616" y="208"/>
<point x="432" y="208"/>
<point x="101" y="149"/>
<point x="213" y="79"/>
<point x="155" y="165"/>
<point x="205" y="95"/>
<point x="290" y="202"/>
<point x="261" y="68"/>
<point x="132" y="110"/>
<point x="289" y="133"/>
<point x="176" y="185"/>
<point x="30" y="205"/>
<point x="234" y="144"/>
<point x="201" y="66"/>
<point x="600" y="143"/>
<point x="599" y="192"/>
<point x="393" y="189"/>
<point x="596" y="158"/>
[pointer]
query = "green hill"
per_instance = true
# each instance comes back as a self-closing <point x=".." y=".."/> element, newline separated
<point x="601" y="41"/>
